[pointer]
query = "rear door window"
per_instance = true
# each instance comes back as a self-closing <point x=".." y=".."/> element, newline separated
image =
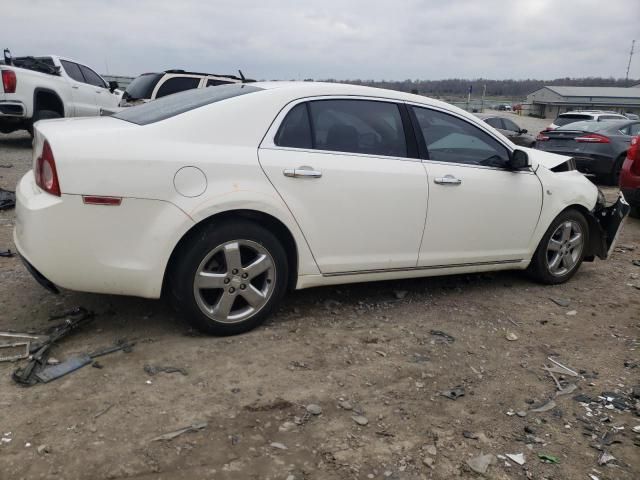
<point x="358" y="126"/>
<point x="73" y="70"/>
<point x="450" y="139"/>
<point x="177" y="84"/>
<point x="509" y="125"/>
<point x="92" y="77"/>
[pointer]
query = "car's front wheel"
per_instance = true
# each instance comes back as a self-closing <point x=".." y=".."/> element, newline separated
<point x="229" y="277"/>
<point x="561" y="249"/>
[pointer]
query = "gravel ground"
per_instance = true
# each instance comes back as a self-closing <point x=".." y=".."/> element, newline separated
<point x="359" y="353"/>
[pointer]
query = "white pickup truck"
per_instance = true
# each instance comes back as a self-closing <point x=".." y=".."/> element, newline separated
<point x="37" y="88"/>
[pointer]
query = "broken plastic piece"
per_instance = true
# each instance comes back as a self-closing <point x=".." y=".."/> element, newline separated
<point x="454" y="393"/>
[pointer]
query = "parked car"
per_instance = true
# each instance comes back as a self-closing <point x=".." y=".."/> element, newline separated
<point x="223" y="198"/>
<point x="582" y="116"/>
<point x="150" y="86"/>
<point x="630" y="177"/>
<point x="632" y="116"/>
<point x="37" y="88"/>
<point x="598" y="148"/>
<point x="509" y="129"/>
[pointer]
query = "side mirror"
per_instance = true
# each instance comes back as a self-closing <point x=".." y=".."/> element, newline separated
<point x="523" y="130"/>
<point x="519" y="160"/>
<point x="113" y="85"/>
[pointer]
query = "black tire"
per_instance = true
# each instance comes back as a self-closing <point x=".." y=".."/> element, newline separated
<point x="635" y="211"/>
<point x="614" y="176"/>
<point x="539" y="268"/>
<point x="198" y="247"/>
<point x="42" y="115"/>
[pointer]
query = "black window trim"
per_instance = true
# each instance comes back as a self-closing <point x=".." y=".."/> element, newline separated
<point x="409" y="133"/>
<point x="166" y="77"/>
<point x="422" y="145"/>
<point x="81" y="66"/>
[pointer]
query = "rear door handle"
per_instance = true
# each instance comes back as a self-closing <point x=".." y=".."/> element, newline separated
<point x="302" y="172"/>
<point x="447" y="180"/>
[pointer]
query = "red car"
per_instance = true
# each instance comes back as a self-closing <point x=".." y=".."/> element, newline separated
<point x="630" y="177"/>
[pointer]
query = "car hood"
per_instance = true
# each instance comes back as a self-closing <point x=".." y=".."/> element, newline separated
<point x="546" y="159"/>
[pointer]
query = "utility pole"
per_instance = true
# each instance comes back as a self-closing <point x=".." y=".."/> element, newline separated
<point x="626" y="81"/>
<point x="484" y="92"/>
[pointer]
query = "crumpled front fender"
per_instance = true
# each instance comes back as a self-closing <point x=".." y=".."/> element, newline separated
<point x="605" y="224"/>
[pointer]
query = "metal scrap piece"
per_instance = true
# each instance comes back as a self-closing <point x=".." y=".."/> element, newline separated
<point x="194" y="427"/>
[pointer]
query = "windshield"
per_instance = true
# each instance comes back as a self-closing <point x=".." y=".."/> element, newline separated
<point x="142" y="86"/>
<point x="182" y="102"/>
<point x="566" y="119"/>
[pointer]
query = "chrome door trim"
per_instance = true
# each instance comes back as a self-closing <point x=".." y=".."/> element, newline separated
<point x="429" y="267"/>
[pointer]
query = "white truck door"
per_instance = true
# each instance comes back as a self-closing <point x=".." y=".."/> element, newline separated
<point x="103" y="97"/>
<point x="82" y="93"/>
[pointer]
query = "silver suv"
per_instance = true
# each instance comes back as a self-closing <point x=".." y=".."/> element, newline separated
<point x="150" y="86"/>
<point x="582" y="115"/>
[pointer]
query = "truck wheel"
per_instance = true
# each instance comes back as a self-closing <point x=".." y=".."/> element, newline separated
<point x="228" y="277"/>
<point x="561" y="249"/>
<point x="42" y="115"/>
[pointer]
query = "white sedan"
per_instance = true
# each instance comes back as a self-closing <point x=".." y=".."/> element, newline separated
<point x="223" y="198"/>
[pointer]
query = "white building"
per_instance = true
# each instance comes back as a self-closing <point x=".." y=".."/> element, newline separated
<point x="549" y="101"/>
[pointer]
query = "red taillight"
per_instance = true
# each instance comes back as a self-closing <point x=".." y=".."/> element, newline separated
<point x="592" y="138"/>
<point x="542" y="137"/>
<point x="9" y="81"/>
<point x="46" y="174"/>
<point x="633" y="154"/>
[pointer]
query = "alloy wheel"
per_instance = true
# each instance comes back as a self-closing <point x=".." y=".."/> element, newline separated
<point x="564" y="249"/>
<point x="234" y="281"/>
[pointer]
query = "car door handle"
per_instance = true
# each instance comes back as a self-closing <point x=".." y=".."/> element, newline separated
<point x="302" y="172"/>
<point x="447" y="180"/>
<point x="75" y="86"/>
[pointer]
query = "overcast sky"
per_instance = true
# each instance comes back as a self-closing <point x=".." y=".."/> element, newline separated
<point x="342" y="39"/>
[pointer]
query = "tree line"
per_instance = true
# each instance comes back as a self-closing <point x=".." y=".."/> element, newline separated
<point x="452" y="87"/>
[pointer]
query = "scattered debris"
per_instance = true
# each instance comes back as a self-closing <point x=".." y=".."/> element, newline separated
<point x="278" y="445"/>
<point x="6" y="165"/>
<point x="194" y="427"/>
<point x="516" y="457"/>
<point x="154" y="370"/>
<point x="636" y="263"/>
<point x="7" y="254"/>
<point x="481" y="463"/>
<point x="454" y="394"/>
<point x="74" y="312"/>
<point x="511" y="336"/>
<point x="7" y="199"/>
<point x="546" y="458"/>
<point x="53" y="372"/>
<point x="567" y="369"/>
<point x="360" y="420"/>
<point x="470" y="435"/>
<point x="551" y="404"/>
<point x="277" y="404"/>
<point x="572" y="387"/>
<point x="314" y="409"/>
<point x="103" y="411"/>
<point x="561" y="302"/>
<point x="43" y="449"/>
<point x="345" y="405"/>
<point x="428" y="461"/>
<point x="605" y="458"/>
<point x="442" y="337"/>
<point x="572" y="313"/>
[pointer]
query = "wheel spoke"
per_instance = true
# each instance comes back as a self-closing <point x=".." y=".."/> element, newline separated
<point x="566" y="232"/>
<point x="223" y="307"/>
<point x="567" y="261"/>
<point x="232" y="256"/>
<point x="576" y="240"/>
<point x="253" y="296"/>
<point x="210" y="280"/>
<point x="555" y="261"/>
<point x="260" y="265"/>
<point x="554" y="245"/>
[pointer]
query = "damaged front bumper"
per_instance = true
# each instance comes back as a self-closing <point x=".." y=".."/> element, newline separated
<point x="605" y="224"/>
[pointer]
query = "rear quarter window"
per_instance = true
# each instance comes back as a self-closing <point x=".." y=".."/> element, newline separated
<point x="173" y="105"/>
<point x="142" y="87"/>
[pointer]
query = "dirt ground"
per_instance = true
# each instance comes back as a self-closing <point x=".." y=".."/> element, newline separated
<point x="355" y="351"/>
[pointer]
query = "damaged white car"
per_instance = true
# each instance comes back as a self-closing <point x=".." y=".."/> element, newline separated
<point x="224" y="198"/>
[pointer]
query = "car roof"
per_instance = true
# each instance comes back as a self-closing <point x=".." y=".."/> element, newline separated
<point x="604" y="125"/>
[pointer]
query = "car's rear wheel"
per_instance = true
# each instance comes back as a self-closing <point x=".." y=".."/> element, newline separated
<point x="561" y="249"/>
<point x="229" y="277"/>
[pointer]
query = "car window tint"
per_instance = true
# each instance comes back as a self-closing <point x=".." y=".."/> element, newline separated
<point x="566" y="119"/>
<point x="214" y="83"/>
<point x="635" y="129"/>
<point x="177" y="84"/>
<point x="73" y="70"/>
<point x="609" y="117"/>
<point x="451" y="139"/>
<point x="358" y="126"/>
<point x="92" y="77"/>
<point x="295" y="130"/>
<point x="509" y="125"/>
<point x="495" y="122"/>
